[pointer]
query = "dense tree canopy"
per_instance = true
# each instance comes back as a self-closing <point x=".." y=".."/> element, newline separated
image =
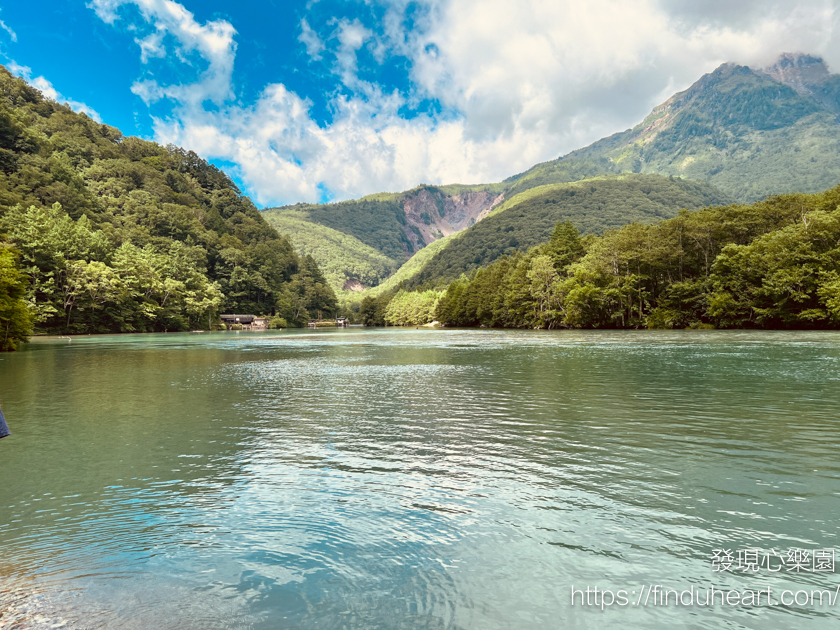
<point x="340" y="256"/>
<point x="378" y="223"/>
<point x="15" y="316"/>
<point x="774" y="264"/>
<point x="412" y="308"/>
<point x="120" y="234"/>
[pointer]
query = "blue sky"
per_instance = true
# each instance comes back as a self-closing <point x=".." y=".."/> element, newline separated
<point x="321" y="100"/>
<point x="96" y="62"/>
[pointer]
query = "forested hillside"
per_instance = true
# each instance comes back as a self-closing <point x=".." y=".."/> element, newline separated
<point x="378" y="223"/>
<point x="342" y="258"/>
<point x="360" y="243"/>
<point x="774" y="264"/>
<point x="116" y="234"/>
<point x="592" y="206"/>
<point x="748" y="132"/>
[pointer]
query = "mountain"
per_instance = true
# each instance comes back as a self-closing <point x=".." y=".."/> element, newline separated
<point x="594" y="206"/>
<point x="362" y="242"/>
<point x="118" y="234"/>
<point x="749" y="133"/>
<point x="808" y="75"/>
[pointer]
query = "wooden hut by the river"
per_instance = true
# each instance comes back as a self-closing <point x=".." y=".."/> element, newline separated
<point x="246" y="321"/>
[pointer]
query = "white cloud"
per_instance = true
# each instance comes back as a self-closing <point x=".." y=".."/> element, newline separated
<point x="310" y="39"/>
<point x="519" y="83"/>
<point x="212" y="43"/>
<point x="351" y="36"/>
<point x="151" y="45"/>
<point x="8" y="29"/>
<point x="49" y="91"/>
<point x="571" y="71"/>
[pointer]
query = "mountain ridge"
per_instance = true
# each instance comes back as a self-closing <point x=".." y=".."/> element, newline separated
<point x="729" y="128"/>
<point x="750" y="132"/>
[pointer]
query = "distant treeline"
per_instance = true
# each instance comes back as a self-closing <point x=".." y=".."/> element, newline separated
<point x="773" y="264"/>
<point x="104" y="233"/>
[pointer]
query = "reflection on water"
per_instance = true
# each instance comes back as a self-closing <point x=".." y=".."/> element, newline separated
<point x="411" y="479"/>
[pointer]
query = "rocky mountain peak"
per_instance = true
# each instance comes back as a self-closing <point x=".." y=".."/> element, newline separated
<point x="801" y="71"/>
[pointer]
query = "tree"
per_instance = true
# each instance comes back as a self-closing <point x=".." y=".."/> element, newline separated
<point x="15" y="317"/>
<point x="546" y="292"/>
<point x="88" y="287"/>
<point x="118" y="234"/>
<point x="565" y="247"/>
<point x="412" y="308"/>
<point x="308" y="293"/>
<point x="373" y="310"/>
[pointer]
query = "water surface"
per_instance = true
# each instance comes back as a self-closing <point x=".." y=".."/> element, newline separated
<point x="411" y="478"/>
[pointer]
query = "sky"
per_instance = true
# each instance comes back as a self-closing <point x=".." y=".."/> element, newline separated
<point x="324" y="100"/>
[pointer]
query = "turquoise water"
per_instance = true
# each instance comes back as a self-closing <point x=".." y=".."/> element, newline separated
<point x="413" y="478"/>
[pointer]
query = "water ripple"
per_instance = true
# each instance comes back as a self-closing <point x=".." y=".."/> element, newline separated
<point x="409" y="479"/>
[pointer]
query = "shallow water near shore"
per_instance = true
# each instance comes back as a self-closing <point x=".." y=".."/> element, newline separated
<point x="408" y="478"/>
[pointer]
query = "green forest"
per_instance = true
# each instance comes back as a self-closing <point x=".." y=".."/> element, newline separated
<point x="106" y="233"/>
<point x="378" y="222"/>
<point x="774" y="264"/>
<point x="341" y="257"/>
<point x="593" y="206"/>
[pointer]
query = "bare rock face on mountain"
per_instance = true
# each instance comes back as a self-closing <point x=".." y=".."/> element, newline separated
<point x="800" y="71"/>
<point x="434" y="215"/>
<point x="809" y="76"/>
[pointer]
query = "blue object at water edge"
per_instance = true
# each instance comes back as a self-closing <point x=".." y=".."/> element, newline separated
<point x="4" y="428"/>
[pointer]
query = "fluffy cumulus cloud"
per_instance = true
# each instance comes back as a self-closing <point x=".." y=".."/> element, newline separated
<point x="213" y="43"/>
<point x="510" y="84"/>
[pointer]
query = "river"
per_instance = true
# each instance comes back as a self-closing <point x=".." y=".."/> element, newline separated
<point x="418" y="479"/>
